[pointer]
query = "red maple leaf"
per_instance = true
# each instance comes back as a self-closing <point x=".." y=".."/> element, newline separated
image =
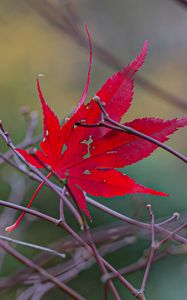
<point x="88" y="157"/>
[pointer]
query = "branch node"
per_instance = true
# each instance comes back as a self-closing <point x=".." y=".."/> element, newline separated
<point x="32" y="150"/>
<point x="96" y="99"/>
<point x="8" y="141"/>
<point x="1" y="126"/>
<point x="176" y="215"/>
<point x="140" y="295"/>
<point x="25" y="110"/>
<point x="60" y="222"/>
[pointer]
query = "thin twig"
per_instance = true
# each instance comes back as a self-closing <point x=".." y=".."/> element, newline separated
<point x="174" y="217"/>
<point x="97" y="204"/>
<point x="29" y="263"/>
<point x="22" y="145"/>
<point x="103" y="208"/>
<point x="95" y="252"/>
<point x="33" y="246"/>
<point x="7" y="139"/>
<point x="129" y="130"/>
<point x="136" y="266"/>
<point x="73" y="234"/>
<point x="59" y="192"/>
<point x="125" y="282"/>
<point x="67" y="20"/>
<point x="169" y="236"/>
<point x="69" y="230"/>
<point x="134" y="222"/>
<point x="182" y="2"/>
<point x="83" y="243"/>
<point x="152" y="251"/>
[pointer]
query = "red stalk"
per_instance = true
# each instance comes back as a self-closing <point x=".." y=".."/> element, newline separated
<point x="16" y="224"/>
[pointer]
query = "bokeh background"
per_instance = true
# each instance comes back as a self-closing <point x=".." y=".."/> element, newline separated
<point x="30" y="45"/>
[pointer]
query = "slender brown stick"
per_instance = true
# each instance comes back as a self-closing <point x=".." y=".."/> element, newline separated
<point x="131" y="288"/>
<point x="30" y="211"/>
<point x="103" y="269"/>
<point x="22" y="145"/>
<point x="134" y="222"/>
<point x="33" y="246"/>
<point x="7" y="139"/>
<point x="62" y="286"/>
<point x="103" y="208"/>
<point x="37" y="178"/>
<point x="68" y="21"/>
<point x="99" y="206"/>
<point x="182" y="2"/>
<point x="69" y="230"/>
<point x="95" y="252"/>
<point x="174" y="217"/>
<point x="152" y="251"/>
<point x="126" y="129"/>
<point x="139" y="264"/>
<point x="81" y="241"/>
<point x="125" y="282"/>
<point x="130" y="130"/>
<point x="58" y="191"/>
<point x="169" y="236"/>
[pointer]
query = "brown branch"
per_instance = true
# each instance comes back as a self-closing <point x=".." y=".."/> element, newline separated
<point x="136" y="266"/>
<point x="129" y="130"/>
<point x="33" y="246"/>
<point x="69" y="230"/>
<point x="134" y="222"/>
<point x="56" y="222"/>
<point x="182" y="2"/>
<point x="76" y="264"/>
<point x="66" y="20"/>
<point x="152" y="251"/>
<point x="169" y="236"/>
<point x="125" y="282"/>
<point x="58" y="191"/>
<point x="62" y="286"/>
<point x="69" y="270"/>
<point x="95" y="252"/>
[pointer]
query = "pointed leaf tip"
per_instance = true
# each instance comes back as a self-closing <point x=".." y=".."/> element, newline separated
<point x="40" y="91"/>
<point x="146" y="45"/>
<point x="134" y="66"/>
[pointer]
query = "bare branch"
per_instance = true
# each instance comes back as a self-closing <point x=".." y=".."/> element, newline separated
<point x="64" y="17"/>
<point x="62" y="286"/>
<point x="33" y="246"/>
<point x="152" y="251"/>
<point x="126" y="129"/>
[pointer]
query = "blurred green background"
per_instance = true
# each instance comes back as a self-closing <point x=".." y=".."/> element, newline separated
<point x="29" y="45"/>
